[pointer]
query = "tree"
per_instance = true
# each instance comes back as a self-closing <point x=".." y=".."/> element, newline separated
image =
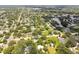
<point x="1" y="41"/>
<point x="68" y="34"/>
<point x="33" y="46"/>
<point x="11" y="43"/>
<point x="70" y="43"/>
<point x="34" y="49"/>
<point x="61" y="49"/>
<point x="54" y="40"/>
<point x="4" y="41"/>
<point x="37" y="31"/>
<point x="8" y="50"/>
<point x="40" y="42"/>
<point x="45" y="33"/>
<point x="19" y="47"/>
<point x="51" y="50"/>
<point x="50" y="31"/>
<point x="1" y="49"/>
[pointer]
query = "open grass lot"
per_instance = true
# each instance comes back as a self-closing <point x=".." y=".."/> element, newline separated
<point x="39" y="30"/>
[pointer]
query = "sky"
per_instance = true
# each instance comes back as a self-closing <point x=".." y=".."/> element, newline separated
<point x="39" y="2"/>
<point x="48" y="6"/>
